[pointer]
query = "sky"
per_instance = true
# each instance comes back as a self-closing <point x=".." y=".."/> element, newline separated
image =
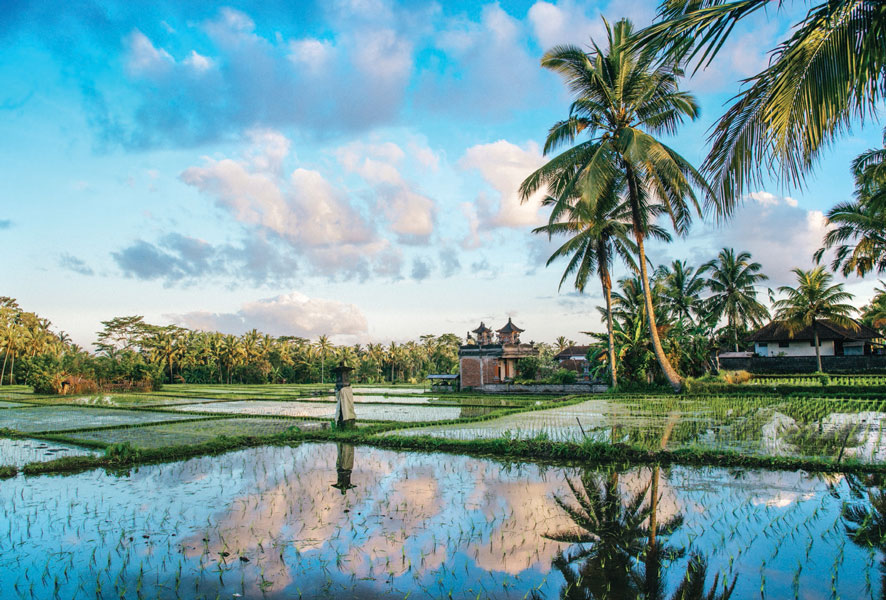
<point x="345" y="167"/>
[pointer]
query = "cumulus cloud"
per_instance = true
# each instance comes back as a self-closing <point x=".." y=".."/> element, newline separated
<point x="410" y="214"/>
<point x="143" y="58"/>
<point x="303" y="209"/>
<point x="564" y="23"/>
<point x="503" y="166"/>
<point x="778" y="232"/>
<point x="72" y="263"/>
<point x="292" y="314"/>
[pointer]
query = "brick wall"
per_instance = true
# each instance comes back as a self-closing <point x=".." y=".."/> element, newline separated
<point x="469" y="370"/>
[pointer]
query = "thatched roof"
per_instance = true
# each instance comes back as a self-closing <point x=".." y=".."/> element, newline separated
<point x="776" y="331"/>
<point x="573" y="351"/>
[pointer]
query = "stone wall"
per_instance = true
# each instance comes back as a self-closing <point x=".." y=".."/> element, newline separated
<point x="544" y="388"/>
<point x="805" y="364"/>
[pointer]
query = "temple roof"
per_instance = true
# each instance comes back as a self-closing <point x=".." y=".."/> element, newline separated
<point x="510" y="328"/>
<point x="482" y="329"/>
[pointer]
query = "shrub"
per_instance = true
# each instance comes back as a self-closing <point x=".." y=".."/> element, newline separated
<point x="823" y="378"/>
<point x="736" y="376"/>
<point x="121" y="452"/>
<point x="563" y="376"/>
<point x="527" y="367"/>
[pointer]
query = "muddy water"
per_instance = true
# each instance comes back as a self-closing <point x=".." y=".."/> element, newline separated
<point x="328" y="520"/>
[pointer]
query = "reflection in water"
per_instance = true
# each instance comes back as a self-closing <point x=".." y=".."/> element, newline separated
<point x="344" y="464"/>
<point x="268" y="522"/>
<point x="621" y="553"/>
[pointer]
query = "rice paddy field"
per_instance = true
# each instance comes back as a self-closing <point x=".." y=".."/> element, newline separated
<point x="249" y="491"/>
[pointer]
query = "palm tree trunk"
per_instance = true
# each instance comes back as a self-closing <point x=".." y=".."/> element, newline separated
<point x="735" y="335"/>
<point x="817" y="347"/>
<point x="670" y="374"/>
<point x="607" y="291"/>
<point x="3" y="372"/>
<point x="634" y="198"/>
<point x="653" y="505"/>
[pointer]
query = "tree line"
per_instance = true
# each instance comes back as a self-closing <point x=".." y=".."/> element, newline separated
<point x="130" y="352"/>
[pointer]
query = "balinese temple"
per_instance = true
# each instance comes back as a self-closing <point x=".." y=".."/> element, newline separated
<point x="487" y="361"/>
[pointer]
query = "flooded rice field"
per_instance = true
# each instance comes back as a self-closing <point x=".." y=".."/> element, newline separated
<point x="62" y="418"/>
<point x="843" y="429"/>
<point x="365" y="411"/>
<point x="334" y="520"/>
<point x="19" y="452"/>
<point x="192" y="432"/>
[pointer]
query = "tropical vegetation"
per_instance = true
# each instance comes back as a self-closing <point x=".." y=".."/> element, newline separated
<point x="622" y="100"/>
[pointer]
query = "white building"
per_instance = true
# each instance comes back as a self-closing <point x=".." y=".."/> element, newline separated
<point x="834" y="340"/>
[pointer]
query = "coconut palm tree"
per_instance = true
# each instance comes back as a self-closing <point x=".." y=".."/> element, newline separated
<point x="811" y="301"/>
<point x="622" y="99"/>
<point x="830" y="71"/>
<point x="324" y="347"/>
<point x="598" y="232"/>
<point x="874" y="313"/>
<point x="859" y="227"/>
<point x="683" y="286"/>
<point x="732" y="282"/>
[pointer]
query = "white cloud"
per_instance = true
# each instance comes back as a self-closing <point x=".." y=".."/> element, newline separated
<point x="311" y="53"/>
<point x="504" y="166"/>
<point x="143" y="58"/>
<point x="198" y="62"/>
<point x="564" y="23"/>
<point x="410" y="214"/>
<point x="304" y="209"/>
<point x="288" y="314"/>
<point x="777" y="231"/>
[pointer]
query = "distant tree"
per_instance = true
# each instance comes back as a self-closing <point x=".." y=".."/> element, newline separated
<point x="324" y="346"/>
<point x="812" y="301"/>
<point x="683" y="286"/>
<point x="732" y="282"/>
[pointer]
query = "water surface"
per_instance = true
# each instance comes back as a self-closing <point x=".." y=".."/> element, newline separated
<point x="328" y="520"/>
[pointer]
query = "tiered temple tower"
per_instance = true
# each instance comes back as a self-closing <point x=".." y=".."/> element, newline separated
<point x="488" y="362"/>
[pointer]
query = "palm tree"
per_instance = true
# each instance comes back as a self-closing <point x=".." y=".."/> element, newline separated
<point x="859" y="234"/>
<point x="683" y="286"/>
<point x="622" y="99"/>
<point x="831" y="70"/>
<point x="733" y="294"/>
<point x="874" y="313"/>
<point x="597" y="233"/>
<point x="324" y="346"/>
<point x="811" y="301"/>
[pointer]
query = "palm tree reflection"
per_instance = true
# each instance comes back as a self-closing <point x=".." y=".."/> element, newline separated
<point x="865" y="522"/>
<point x="622" y="552"/>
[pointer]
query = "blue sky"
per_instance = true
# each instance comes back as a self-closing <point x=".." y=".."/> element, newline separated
<point x="344" y="167"/>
